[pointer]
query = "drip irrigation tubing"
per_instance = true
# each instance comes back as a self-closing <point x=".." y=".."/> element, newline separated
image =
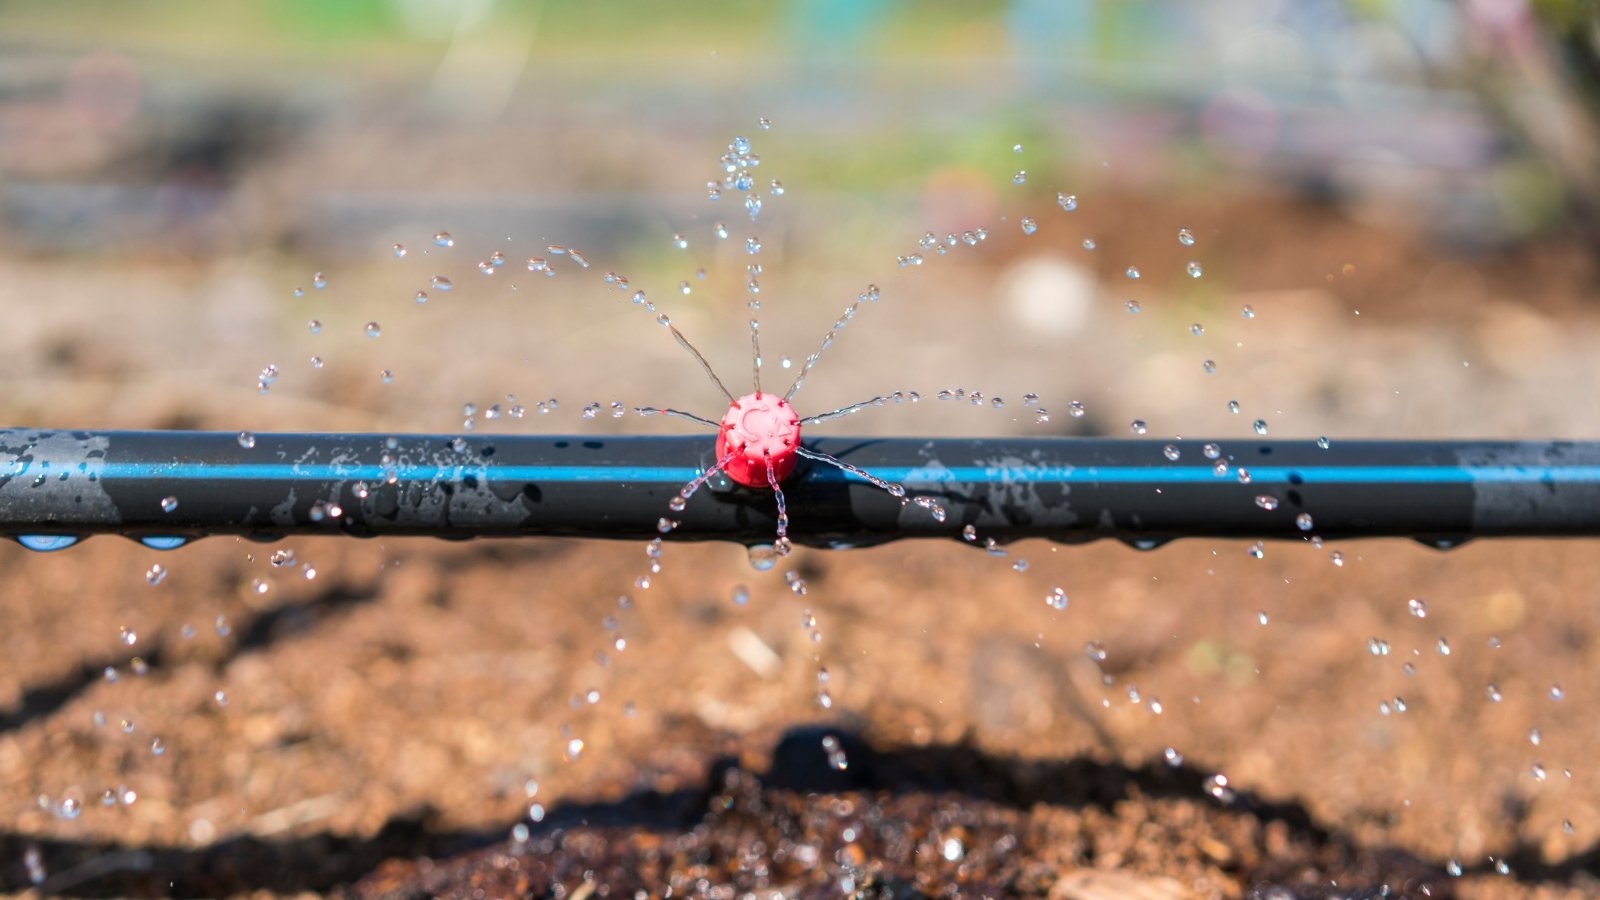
<point x="167" y="487"/>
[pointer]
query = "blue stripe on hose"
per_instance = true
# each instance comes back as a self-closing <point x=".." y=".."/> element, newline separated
<point x="376" y="474"/>
<point x="1258" y="475"/>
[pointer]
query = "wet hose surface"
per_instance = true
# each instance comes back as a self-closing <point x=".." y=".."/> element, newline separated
<point x="166" y="486"/>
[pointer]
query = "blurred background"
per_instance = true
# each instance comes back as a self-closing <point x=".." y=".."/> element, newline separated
<point x="1354" y="218"/>
<point x="1408" y="193"/>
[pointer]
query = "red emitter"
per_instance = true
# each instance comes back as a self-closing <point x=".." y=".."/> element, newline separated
<point x="757" y="429"/>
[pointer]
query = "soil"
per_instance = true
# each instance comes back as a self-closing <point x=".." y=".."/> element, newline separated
<point x="383" y="723"/>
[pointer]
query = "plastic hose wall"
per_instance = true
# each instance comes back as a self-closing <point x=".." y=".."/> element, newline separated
<point x="188" y="484"/>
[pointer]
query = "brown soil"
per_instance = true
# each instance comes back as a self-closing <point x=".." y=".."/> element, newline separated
<point x="395" y="707"/>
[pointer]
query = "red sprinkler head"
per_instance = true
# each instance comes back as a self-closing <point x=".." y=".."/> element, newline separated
<point x="756" y="428"/>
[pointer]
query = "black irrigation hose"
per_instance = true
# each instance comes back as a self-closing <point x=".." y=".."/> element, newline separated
<point x="165" y="487"/>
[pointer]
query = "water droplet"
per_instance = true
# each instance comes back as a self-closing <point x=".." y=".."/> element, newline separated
<point x="156" y="574"/>
<point x="1020" y="178"/>
<point x="1186" y="237"/>
<point x="1132" y="272"/>
<point x="441" y="283"/>
<point x="386" y="376"/>
<point x="1089" y="244"/>
<point x="1056" y="598"/>
<point x="1534" y="737"/>
<point x="168" y="504"/>
<point x="1256" y="550"/>
<point x="1233" y="407"/>
<point x="1171" y="452"/>
<point x="1303" y="521"/>
<point x="1029" y="226"/>
<point x="1209" y="366"/>
<point x="1197" y="330"/>
<point x="158" y="746"/>
<point x="1267" y="502"/>
<point x="837" y="760"/>
<point x="932" y="506"/>
<point x="1260" y="425"/>
<point x="247" y="440"/>
<point x="1211" y="451"/>
<point x="163" y="542"/>
<point x="1076" y="409"/>
<point x="752" y="245"/>
<point x="1138" y="426"/>
<point x="319" y="281"/>
<point x="373" y="329"/>
<point x="1453" y="868"/>
<point x="1068" y="202"/>
<point x="795" y="582"/>
<point x="762" y="556"/>
<point x="399" y="251"/>
<point x="574" y="749"/>
<point x="681" y="242"/>
<point x="128" y="636"/>
<point x="1247" y="311"/>
<point x="443" y="239"/>
<point x="33" y="861"/>
<point x="1194" y="269"/>
<point x="1173" y="757"/>
<point x="1262" y="618"/>
<point x="299" y="292"/>
<point x="1418" y="607"/>
<point x="1494" y="693"/>
<point x="1556" y="693"/>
